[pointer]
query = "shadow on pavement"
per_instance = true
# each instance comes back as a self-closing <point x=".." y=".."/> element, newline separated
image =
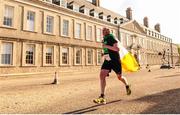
<point x="167" y="102"/>
<point x="170" y="76"/>
<point x="89" y="109"/>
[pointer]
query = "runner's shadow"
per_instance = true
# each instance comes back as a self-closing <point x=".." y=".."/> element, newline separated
<point x="166" y="102"/>
<point x="89" y="109"/>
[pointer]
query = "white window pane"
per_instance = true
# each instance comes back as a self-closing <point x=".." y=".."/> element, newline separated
<point x="99" y="35"/>
<point x="89" y="33"/>
<point x="6" y="53"/>
<point x="30" y="54"/>
<point x="78" y="56"/>
<point x="49" y="50"/>
<point x="64" y="50"/>
<point x="50" y="24"/>
<point x="30" y="20"/>
<point x="65" y="55"/>
<point x="7" y="48"/>
<point x="78" y="30"/>
<point x="8" y="15"/>
<point x="65" y="27"/>
<point x="49" y="55"/>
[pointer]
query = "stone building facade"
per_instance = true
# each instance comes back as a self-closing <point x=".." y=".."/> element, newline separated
<point x="42" y="36"/>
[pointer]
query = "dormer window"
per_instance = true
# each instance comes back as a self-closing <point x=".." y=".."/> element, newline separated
<point x="57" y="2"/>
<point x="115" y="21"/>
<point x="121" y="20"/>
<point x="92" y="12"/>
<point x="101" y="15"/>
<point x="73" y="6"/>
<point x="109" y="18"/>
<point x="82" y="9"/>
<point x="70" y="5"/>
<point x="62" y="3"/>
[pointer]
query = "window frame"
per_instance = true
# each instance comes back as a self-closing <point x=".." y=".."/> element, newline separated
<point x="61" y="27"/>
<point x="50" y="24"/>
<point x="97" y="54"/>
<point x="91" y="37"/>
<point x="36" y="61"/>
<point x="91" y="56"/>
<point x="81" y="55"/>
<point x="15" y="15"/>
<point x="12" y="60"/>
<point x="46" y="14"/>
<point x="99" y="35"/>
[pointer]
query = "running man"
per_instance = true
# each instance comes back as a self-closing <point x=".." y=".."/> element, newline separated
<point x="111" y="61"/>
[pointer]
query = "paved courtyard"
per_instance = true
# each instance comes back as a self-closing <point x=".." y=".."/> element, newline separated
<point x="152" y="92"/>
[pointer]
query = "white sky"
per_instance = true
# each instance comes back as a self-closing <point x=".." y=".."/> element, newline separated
<point x="165" y="12"/>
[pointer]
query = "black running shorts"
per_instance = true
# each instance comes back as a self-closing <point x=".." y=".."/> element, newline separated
<point x="114" y="65"/>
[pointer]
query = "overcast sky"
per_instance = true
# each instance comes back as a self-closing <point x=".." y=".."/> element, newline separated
<point x="165" y="12"/>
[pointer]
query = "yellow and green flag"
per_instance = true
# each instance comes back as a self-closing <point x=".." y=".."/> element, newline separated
<point x="128" y="61"/>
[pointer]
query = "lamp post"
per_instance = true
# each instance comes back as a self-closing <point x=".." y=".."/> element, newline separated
<point x="168" y="58"/>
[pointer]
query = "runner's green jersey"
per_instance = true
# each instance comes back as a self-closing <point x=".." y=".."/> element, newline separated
<point x="110" y="40"/>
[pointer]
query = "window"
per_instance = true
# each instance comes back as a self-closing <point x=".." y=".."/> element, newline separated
<point x="49" y="24"/>
<point x="98" y="34"/>
<point x="8" y="16"/>
<point x="78" y="30"/>
<point x="90" y="56"/>
<point x="65" y="55"/>
<point x="99" y="57"/>
<point x="31" y="20"/>
<point x="6" y="53"/>
<point x="49" y="55"/>
<point x="65" y="28"/>
<point x="30" y="54"/>
<point x="89" y="33"/>
<point x="78" y="56"/>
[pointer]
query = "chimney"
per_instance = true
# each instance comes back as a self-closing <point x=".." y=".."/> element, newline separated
<point x="146" y="22"/>
<point x="129" y="13"/>
<point x="96" y="2"/>
<point x="157" y="27"/>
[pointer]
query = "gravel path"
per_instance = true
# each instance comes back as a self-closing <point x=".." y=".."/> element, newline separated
<point x="153" y="92"/>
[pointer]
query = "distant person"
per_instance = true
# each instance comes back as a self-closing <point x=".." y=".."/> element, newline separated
<point x="111" y="62"/>
<point x="148" y="68"/>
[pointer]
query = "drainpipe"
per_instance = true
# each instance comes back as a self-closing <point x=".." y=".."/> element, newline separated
<point x="172" y="62"/>
<point x="119" y="34"/>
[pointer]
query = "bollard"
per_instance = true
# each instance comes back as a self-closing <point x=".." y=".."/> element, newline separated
<point x="55" y="79"/>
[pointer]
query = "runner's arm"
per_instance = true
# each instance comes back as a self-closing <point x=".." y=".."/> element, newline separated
<point x="113" y="48"/>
